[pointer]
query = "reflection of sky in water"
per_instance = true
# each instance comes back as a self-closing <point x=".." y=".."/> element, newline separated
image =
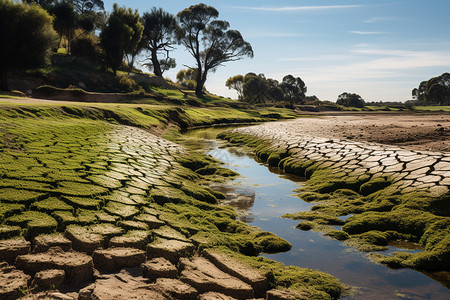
<point x="267" y="196"/>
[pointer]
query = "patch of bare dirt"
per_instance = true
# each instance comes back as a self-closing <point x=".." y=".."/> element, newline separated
<point x="413" y="131"/>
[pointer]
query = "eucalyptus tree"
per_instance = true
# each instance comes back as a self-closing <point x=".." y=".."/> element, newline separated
<point x="293" y="88"/>
<point x="236" y="83"/>
<point x="159" y="36"/>
<point x="209" y="41"/>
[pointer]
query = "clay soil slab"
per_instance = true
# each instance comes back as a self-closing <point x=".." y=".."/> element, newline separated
<point x="120" y="286"/>
<point x="159" y="267"/>
<point x="10" y="249"/>
<point x="116" y="258"/>
<point x="43" y="242"/>
<point x="175" y="289"/>
<point x="151" y="220"/>
<point x="132" y="239"/>
<point x="49" y="279"/>
<point x="245" y="273"/>
<point x="206" y="277"/>
<point x="77" y="266"/>
<point x="215" y="296"/>
<point x="12" y="282"/>
<point x="169" y="249"/>
<point x="83" y="239"/>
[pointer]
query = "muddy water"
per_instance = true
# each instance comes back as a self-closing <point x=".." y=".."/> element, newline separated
<point x="262" y="194"/>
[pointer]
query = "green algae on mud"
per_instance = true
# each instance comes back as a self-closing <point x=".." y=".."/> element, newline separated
<point x="75" y="179"/>
<point x="379" y="212"/>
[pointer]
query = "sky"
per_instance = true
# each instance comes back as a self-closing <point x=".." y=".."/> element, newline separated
<point x="379" y="49"/>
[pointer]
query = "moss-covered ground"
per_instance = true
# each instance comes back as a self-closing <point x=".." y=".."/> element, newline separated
<point x="371" y="211"/>
<point x="77" y="169"/>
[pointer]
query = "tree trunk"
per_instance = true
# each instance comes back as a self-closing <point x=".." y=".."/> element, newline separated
<point x="201" y="79"/>
<point x="156" y="65"/>
<point x="4" y="81"/>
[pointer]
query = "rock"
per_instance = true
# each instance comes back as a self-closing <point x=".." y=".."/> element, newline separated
<point x="120" y="286"/>
<point x="77" y="266"/>
<point x="169" y="249"/>
<point x="49" y="279"/>
<point x="175" y="289"/>
<point x="159" y="267"/>
<point x="286" y="295"/>
<point x="237" y="269"/>
<point x="43" y="242"/>
<point x="12" y="282"/>
<point x="10" y="249"/>
<point x="206" y="277"/>
<point x="113" y="259"/>
<point x="215" y="296"/>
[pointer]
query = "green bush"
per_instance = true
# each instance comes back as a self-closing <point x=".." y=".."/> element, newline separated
<point x="87" y="46"/>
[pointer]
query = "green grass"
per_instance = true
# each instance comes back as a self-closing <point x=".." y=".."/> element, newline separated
<point x="433" y="108"/>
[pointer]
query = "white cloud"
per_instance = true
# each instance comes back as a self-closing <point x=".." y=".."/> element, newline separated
<point x="367" y="32"/>
<point x="381" y="19"/>
<point x="298" y="8"/>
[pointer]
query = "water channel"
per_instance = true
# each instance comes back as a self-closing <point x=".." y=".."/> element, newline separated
<point x="262" y="194"/>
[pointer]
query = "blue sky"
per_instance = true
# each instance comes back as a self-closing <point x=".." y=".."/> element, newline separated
<point x="380" y="49"/>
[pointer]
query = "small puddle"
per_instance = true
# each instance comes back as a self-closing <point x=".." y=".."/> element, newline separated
<point x="262" y="194"/>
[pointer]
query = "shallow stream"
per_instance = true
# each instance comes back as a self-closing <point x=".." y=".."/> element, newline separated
<point x="262" y="194"/>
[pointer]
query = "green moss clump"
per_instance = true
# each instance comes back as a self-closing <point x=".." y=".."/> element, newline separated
<point x="319" y="218"/>
<point x="77" y="189"/>
<point x="9" y="209"/>
<point x="312" y="196"/>
<point x="64" y="218"/>
<point x="51" y="204"/>
<point x="338" y="235"/>
<point x="374" y="237"/>
<point x="305" y="225"/>
<point x="85" y="203"/>
<point x="270" y="243"/>
<point x="374" y="185"/>
<point x="198" y="193"/>
<point x="20" y="196"/>
<point x="33" y="222"/>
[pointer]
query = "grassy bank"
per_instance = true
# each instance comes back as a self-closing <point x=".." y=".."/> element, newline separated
<point x="380" y="214"/>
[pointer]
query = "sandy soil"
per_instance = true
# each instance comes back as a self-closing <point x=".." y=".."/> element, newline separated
<point x="414" y="131"/>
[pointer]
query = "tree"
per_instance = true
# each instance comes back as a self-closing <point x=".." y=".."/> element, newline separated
<point x="65" y="21"/>
<point x="294" y="89"/>
<point x="46" y="4"/>
<point x="254" y="88"/>
<point x="159" y="35"/>
<point x="434" y="91"/>
<point x="274" y="91"/>
<point x="209" y="41"/>
<point x="121" y="35"/>
<point x="21" y="47"/>
<point x="187" y="78"/>
<point x="235" y="83"/>
<point x="350" y="100"/>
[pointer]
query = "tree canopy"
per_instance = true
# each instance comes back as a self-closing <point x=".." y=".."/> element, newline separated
<point x="255" y="88"/>
<point x="209" y="41"/>
<point x="236" y="83"/>
<point x="121" y="35"/>
<point x="350" y="100"/>
<point x="293" y="89"/>
<point x="21" y="47"/>
<point x="159" y="36"/>
<point x="434" y="91"/>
